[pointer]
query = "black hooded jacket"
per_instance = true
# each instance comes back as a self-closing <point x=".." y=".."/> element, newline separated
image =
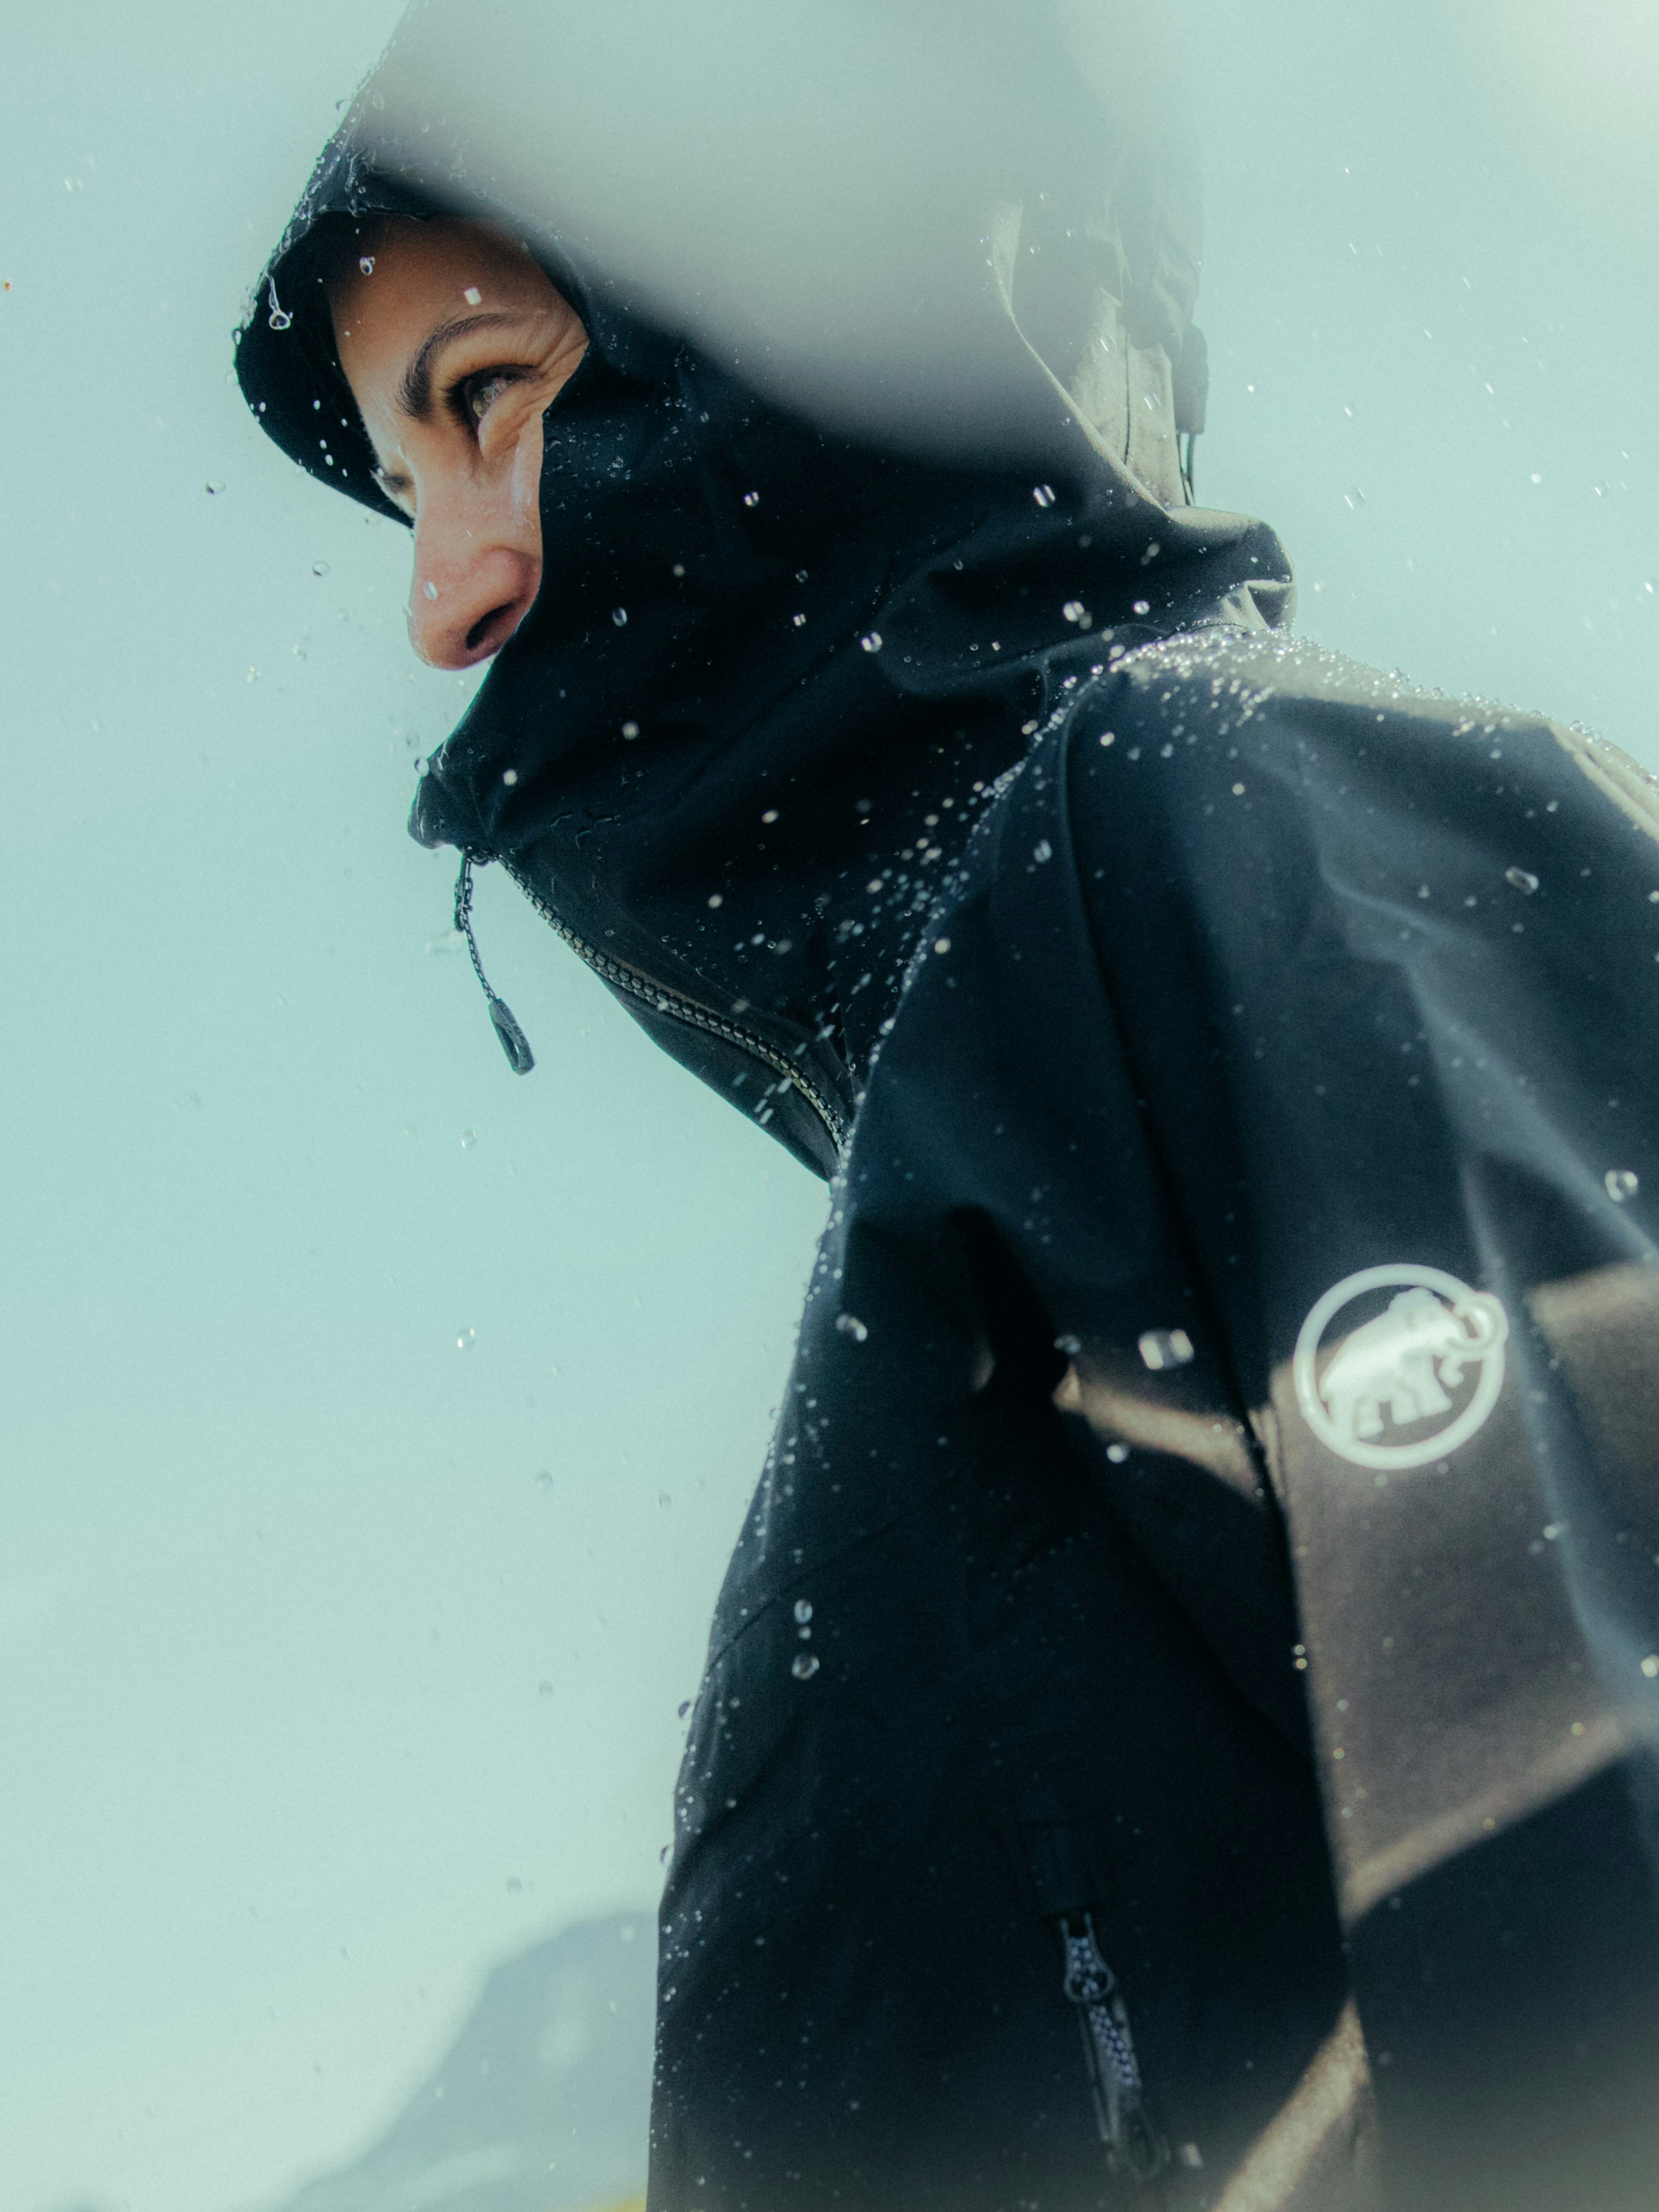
<point x="1177" y="1727"/>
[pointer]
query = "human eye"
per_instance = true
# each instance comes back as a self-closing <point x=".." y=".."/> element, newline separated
<point x="474" y="396"/>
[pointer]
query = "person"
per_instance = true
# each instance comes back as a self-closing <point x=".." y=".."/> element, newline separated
<point x="1178" y="1724"/>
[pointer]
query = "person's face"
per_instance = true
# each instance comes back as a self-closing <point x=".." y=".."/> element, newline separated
<point x="453" y="342"/>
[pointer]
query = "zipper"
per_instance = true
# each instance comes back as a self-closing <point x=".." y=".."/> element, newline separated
<point x="658" y="996"/>
<point x="1133" y="2144"/>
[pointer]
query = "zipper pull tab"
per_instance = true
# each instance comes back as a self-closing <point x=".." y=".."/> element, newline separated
<point x="515" y="1043"/>
<point x="1132" y="2142"/>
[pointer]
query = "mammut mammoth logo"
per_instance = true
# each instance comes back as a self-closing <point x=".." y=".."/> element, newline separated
<point x="1395" y="1366"/>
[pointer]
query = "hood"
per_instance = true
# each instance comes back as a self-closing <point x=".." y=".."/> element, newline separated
<point x="776" y="664"/>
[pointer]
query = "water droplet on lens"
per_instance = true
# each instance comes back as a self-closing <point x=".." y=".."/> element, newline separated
<point x="1071" y="1345"/>
<point x="1043" y="494"/>
<point x="751" y="499"/>
<point x="509" y="777"/>
<point x="431" y="589"/>
<point x="803" y="1666"/>
<point x="465" y="1340"/>
<point x="1165" y="1347"/>
<point x="1143" y="606"/>
<point x="468" y="1140"/>
<point x="1621" y="1183"/>
<point x="213" y="487"/>
<point x="1522" y="878"/>
<point x="1650" y="1665"/>
<point x="803" y="1610"/>
<point x="1042" y="850"/>
<point x="630" y="729"/>
<point x="320" y="567"/>
<point x="366" y="262"/>
<point x="544" y="1480"/>
<point x="473" y="296"/>
<point x="1117" y="1453"/>
<point x="871" y="640"/>
<point x="850" y="1325"/>
<point x="1075" y="611"/>
<point x="619" y="615"/>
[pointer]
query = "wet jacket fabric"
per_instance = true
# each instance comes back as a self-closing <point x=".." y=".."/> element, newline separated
<point x="1176" y="1726"/>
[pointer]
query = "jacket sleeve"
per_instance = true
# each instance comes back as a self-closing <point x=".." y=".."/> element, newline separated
<point x="1384" y="968"/>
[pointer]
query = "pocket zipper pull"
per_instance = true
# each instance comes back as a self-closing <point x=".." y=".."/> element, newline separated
<point x="515" y="1043"/>
<point x="1132" y="2142"/>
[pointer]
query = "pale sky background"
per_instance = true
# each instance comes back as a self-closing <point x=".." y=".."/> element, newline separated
<point x="335" y="1662"/>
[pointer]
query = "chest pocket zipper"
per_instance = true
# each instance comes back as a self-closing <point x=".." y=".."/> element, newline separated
<point x="1062" y="1883"/>
<point x="1133" y="2144"/>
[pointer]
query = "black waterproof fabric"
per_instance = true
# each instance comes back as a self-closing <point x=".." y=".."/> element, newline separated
<point x="1178" y="1723"/>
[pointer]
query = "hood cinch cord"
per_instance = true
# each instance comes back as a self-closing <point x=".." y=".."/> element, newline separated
<point x="515" y="1043"/>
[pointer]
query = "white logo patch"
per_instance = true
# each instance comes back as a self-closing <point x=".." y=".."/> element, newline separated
<point x="1397" y="1380"/>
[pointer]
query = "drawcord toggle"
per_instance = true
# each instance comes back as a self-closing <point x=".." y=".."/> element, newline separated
<point x="515" y="1043"/>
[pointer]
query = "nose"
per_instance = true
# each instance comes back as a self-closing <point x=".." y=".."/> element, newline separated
<point x="471" y="589"/>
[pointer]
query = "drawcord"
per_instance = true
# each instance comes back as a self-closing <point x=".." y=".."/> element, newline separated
<point x="515" y="1043"/>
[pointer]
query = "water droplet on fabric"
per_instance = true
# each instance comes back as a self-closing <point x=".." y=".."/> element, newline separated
<point x="850" y="1325"/>
<point x="871" y="640"/>
<point x="1043" y="494"/>
<point x="1621" y="1183"/>
<point x="803" y="1666"/>
<point x="1165" y="1347"/>
<point x="803" y="1610"/>
<point x="1522" y="878"/>
<point x="619" y="615"/>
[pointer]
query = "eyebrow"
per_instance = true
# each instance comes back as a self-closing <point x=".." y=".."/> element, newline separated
<point x="415" y="391"/>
